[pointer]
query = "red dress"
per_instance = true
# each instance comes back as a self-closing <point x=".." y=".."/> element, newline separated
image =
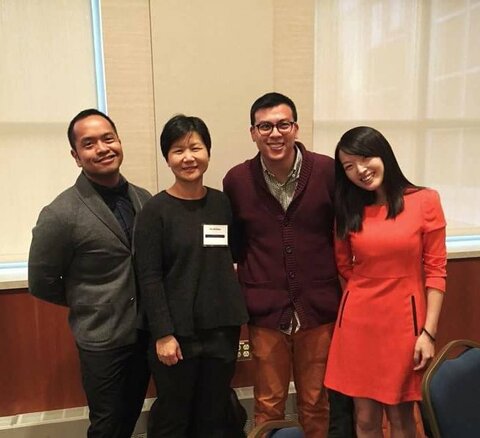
<point x="387" y="266"/>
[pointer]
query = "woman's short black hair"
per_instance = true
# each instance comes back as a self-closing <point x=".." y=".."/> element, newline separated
<point x="350" y="200"/>
<point x="179" y="126"/>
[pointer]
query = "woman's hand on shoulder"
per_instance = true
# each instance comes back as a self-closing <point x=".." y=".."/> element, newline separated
<point x="424" y="352"/>
<point x="168" y="350"/>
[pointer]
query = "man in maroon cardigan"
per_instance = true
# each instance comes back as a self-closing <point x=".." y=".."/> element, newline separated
<point x="282" y="202"/>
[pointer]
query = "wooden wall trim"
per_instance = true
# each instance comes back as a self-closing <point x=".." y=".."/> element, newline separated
<point x="39" y="367"/>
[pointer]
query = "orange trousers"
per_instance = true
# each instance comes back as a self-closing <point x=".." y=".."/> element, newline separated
<point x="276" y="356"/>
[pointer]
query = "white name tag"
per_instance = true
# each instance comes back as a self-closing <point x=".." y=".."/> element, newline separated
<point x="215" y="235"/>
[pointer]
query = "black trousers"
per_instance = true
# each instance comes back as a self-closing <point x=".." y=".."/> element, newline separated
<point x="115" y="383"/>
<point x="342" y="424"/>
<point x="193" y="395"/>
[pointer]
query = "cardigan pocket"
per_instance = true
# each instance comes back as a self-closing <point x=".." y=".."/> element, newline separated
<point x="321" y="298"/>
<point x="262" y="298"/>
<point x="257" y="284"/>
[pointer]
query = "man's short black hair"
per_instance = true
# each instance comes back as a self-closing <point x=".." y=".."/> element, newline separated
<point x="270" y="100"/>
<point x="83" y="115"/>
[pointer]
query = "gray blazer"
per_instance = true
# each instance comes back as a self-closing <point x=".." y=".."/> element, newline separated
<point x="80" y="257"/>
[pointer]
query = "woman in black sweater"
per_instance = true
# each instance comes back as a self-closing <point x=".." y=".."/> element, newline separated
<point x="189" y="289"/>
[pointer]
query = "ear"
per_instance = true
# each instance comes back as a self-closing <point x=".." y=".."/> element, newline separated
<point x="252" y="133"/>
<point x="75" y="156"/>
<point x="296" y="127"/>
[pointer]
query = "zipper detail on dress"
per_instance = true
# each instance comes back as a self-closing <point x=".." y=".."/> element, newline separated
<point x="414" y="315"/>
<point x="343" y="308"/>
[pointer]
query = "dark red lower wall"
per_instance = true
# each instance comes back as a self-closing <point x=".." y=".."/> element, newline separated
<point x="38" y="361"/>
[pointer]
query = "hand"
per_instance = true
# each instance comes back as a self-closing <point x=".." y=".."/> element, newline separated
<point x="424" y="351"/>
<point x="168" y="350"/>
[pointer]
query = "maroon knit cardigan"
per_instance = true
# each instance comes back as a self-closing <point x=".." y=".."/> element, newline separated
<point x="285" y="259"/>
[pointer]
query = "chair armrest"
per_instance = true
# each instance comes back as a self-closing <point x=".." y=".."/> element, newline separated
<point x="261" y="429"/>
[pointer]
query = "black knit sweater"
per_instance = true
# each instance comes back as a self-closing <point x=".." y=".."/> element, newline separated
<point x="185" y="286"/>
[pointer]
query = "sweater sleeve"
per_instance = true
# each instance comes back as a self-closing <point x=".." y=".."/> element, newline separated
<point x="236" y="235"/>
<point x="344" y="257"/>
<point x="434" y="248"/>
<point x="148" y="241"/>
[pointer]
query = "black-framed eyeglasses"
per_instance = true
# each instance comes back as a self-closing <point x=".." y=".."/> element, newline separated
<point x="283" y="127"/>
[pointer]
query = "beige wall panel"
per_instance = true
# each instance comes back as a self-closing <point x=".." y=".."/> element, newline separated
<point x="46" y="77"/>
<point x="128" y="71"/>
<point x="212" y="59"/>
<point x="294" y="37"/>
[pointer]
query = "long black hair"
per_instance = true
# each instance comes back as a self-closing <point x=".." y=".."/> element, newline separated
<point x="350" y="200"/>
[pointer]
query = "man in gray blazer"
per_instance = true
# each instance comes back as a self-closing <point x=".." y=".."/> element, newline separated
<point x="81" y="257"/>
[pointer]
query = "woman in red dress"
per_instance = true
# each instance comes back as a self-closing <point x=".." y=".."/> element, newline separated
<point x="390" y="249"/>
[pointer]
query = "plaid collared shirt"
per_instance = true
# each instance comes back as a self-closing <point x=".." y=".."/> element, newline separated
<point x="283" y="193"/>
